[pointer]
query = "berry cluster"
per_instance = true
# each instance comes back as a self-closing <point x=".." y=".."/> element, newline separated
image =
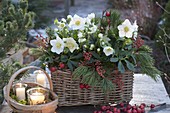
<point x="138" y="42"/>
<point x="100" y="69"/>
<point x="84" y="86"/>
<point x="124" y="108"/>
<point x="87" y="56"/>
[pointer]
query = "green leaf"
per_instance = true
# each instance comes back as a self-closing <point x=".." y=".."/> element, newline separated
<point x="121" y="68"/>
<point x="133" y="58"/>
<point x="80" y="55"/>
<point x="130" y="65"/>
<point x="74" y="63"/>
<point x="70" y="66"/>
<point x="64" y="58"/>
<point x="114" y="59"/>
<point x="106" y="85"/>
<point x="95" y="55"/>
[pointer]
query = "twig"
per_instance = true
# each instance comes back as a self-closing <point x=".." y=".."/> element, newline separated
<point x="162" y="8"/>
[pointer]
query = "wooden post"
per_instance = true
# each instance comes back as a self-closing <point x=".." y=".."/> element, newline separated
<point x="72" y="3"/>
<point x="66" y="7"/>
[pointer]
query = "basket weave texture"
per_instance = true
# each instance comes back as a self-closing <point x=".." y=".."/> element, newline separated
<point x="49" y="107"/>
<point x="70" y="94"/>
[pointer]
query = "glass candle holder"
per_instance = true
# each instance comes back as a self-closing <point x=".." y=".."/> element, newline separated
<point x="37" y="95"/>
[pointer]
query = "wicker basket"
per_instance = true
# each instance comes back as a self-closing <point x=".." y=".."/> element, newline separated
<point x="49" y="107"/>
<point x="71" y="95"/>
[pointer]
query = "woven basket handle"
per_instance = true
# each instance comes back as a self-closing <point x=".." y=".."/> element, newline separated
<point x="17" y="73"/>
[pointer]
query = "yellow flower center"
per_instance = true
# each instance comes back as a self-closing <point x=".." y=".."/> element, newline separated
<point x="62" y="25"/>
<point x="58" y="45"/>
<point x="70" y="45"/>
<point x="77" y="22"/>
<point x="126" y="29"/>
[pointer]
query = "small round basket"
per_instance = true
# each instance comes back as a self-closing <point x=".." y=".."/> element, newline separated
<point x="48" y="107"/>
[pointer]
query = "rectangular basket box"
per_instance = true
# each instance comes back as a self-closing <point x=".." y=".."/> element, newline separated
<point x="70" y="94"/>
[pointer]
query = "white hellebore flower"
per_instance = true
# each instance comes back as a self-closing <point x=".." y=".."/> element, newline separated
<point x="100" y="35"/>
<point x="93" y="29"/>
<point x="57" y="45"/>
<point x="81" y="40"/>
<point x="61" y="25"/>
<point x="63" y="20"/>
<point x="89" y="18"/>
<point x="80" y="34"/>
<point x="77" y="22"/>
<point x="126" y="29"/>
<point x="108" y="50"/>
<point x="71" y="44"/>
<point x="69" y="17"/>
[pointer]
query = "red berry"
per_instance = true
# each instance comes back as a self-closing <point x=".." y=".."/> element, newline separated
<point x="99" y="112"/>
<point x="121" y="104"/>
<point x="107" y="13"/>
<point x="141" y="106"/>
<point x="134" y="111"/>
<point x="139" y="111"/>
<point x="103" y="108"/>
<point x="128" y="107"/>
<point x="108" y="107"/>
<point x="61" y="65"/>
<point x="53" y="69"/>
<point x="134" y="107"/>
<point x="129" y="111"/>
<point x="115" y="109"/>
<point x="152" y="106"/>
<point x="87" y="86"/>
<point x="142" y="110"/>
<point x="124" y="110"/>
<point x="81" y="86"/>
<point x="108" y="111"/>
<point x="95" y="112"/>
<point x="118" y="111"/>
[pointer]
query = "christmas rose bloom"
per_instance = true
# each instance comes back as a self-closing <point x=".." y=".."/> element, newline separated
<point x="126" y="29"/>
<point x="89" y="18"/>
<point x="71" y="44"/>
<point x="77" y="22"/>
<point x="93" y="29"/>
<point x="108" y="50"/>
<point x="57" y="45"/>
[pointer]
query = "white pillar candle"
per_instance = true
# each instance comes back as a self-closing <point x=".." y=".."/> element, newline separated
<point x="20" y="92"/>
<point x="37" y="98"/>
<point x="41" y="79"/>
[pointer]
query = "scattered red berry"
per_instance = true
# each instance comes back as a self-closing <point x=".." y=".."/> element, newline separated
<point x="87" y="86"/>
<point x="152" y="106"/>
<point x="95" y="112"/>
<point x="128" y="107"/>
<point x="142" y="110"/>
<point x="118" y="111"/>
<point x="103" y="108"/>
<point x="121" y="104"/>
<point x="53" y="69"/>
<point x="61" y="65"/>
<point x="134" y="111"/>
<point x="141" y="106"/>
<point x="129" y="111"/>
<point x="82" y="86"/>
<point x="99" y="112"/>
<point x="107" y="13"/>
<point x="138" y="110"/>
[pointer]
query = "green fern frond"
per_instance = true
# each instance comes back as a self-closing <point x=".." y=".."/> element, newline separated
<point x="147" y="64"/>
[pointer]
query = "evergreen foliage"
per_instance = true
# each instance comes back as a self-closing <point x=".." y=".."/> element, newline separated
<point x="15" y="21"/>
